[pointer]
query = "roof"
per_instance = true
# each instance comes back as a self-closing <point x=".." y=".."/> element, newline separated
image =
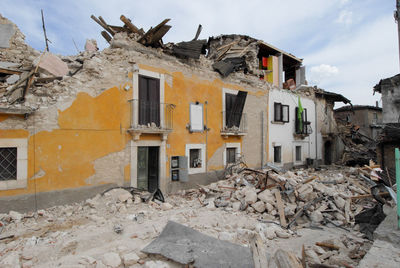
<point x="357" y="107"/>
<point x="389" y="82"/>
<point x="331" y="96"/>
<point x="277" y="50"/>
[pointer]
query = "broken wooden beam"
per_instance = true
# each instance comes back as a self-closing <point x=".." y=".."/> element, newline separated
<point x="198" y="32"/>
<point x="259" y="252"/>
<point x="148" y="35"/>
<point x="106" y="36"/>
<point x="129" y="24"/>
<point x="105" y="26"/>
<point x="281" y="210"/>
<point x="9" y="71"/>
<point x="327" y="245"/>
<point x="362" y="196"/>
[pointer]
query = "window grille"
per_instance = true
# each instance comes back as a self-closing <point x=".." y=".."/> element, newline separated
<point x="8" y="164"/>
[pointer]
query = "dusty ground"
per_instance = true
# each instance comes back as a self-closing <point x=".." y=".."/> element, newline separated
<point x="105" y="232"/>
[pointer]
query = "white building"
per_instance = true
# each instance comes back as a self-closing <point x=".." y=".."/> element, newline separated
<point x="291" y="141"/>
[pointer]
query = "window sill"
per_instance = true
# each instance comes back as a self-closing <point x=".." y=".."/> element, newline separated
<point x="278" y="122"/>
<point x="12" y="184"/>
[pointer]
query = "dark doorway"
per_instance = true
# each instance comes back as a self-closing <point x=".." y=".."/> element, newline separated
<point x="328" y="152"/>
<point x="149" y="101"/>
<point x="147" y="168"/>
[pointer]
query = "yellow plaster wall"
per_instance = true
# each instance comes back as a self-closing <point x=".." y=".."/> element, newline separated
<point x="90" y="128"/>
<point x="93" y="127"/>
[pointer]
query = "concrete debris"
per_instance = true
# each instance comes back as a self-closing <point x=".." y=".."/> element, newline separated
<point x="51" y="64"/>
<point x="91" y="45"/>
<point x="223" y="214"/>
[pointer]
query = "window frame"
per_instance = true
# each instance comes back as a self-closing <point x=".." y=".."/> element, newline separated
<point x="300" y="159"/>
<point x="202" y="148"/>
<point x="280" y="154"/>
<point x="280" y="107"/>
<point x="22" y="164"/>
<point x="235" y="145"/>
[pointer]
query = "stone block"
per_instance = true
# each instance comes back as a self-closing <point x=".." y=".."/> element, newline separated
<point x="52" y="64"/>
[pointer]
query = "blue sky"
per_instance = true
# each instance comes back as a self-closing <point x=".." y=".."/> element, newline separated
<point x="347" y="45"/>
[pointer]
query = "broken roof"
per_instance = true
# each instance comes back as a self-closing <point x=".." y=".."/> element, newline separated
<point x="389" y="82"/>
<point x="331" y="96"/>
<point x="357" y="107"/>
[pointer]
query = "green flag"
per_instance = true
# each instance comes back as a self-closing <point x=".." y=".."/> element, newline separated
<point x="299" y="115"/>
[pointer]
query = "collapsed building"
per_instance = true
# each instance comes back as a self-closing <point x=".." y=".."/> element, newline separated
<point x="152" y="115"/>
<point x="390" y="137"/>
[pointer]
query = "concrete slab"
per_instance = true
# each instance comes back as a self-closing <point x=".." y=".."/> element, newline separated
<point x="387" y="230"/>
<point x="52" y="64"/>
<point x="7" y="64"/>
<point x="12" y="79"/>
<point x="186" y="245"/>
<point x="381" y="254"/>
<point x="6" y="32"/>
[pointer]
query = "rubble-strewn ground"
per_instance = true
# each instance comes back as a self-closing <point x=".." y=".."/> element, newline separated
<point x="110" y="230"/>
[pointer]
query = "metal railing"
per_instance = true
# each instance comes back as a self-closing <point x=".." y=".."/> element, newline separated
<point x="151" y="115"/>
<point x="233" y="122"/>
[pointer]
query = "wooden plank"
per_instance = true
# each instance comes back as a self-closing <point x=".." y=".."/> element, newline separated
<point x="144" y="39"/>
<point x="9" y="71"/>
<point x="198" y="32"/>
<point x="259" y="252"/>
<point x="281" y="210"/>
<point x="129" y="24"/>
<point x="327" y="245"/>
<point x="105" y="27"/>
<point x="362" y="196"/>
<point x="228" y="45"/>
<point x="106" y="36"/>
<point x="159" y="34"/>
<point x="303" y="257"/>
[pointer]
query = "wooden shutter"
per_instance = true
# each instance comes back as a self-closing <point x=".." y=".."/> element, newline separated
<point x="229" y="102"/>
<point x="285" y="113"/>
<point x="149" y="101"/>
<point x="236" y="112"/>
<point x="277" y="112"/>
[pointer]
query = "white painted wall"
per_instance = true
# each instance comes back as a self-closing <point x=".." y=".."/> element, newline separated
<point x="282" y="133"/>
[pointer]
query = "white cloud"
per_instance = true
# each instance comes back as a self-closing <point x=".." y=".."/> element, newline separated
<point x="321" y="72"/>
<point x="345" y="17"/>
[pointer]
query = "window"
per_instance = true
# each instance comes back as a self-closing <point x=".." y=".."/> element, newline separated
<point x="8" y="163"/>
<point x="149" y="101"/>
<point x="281" y="112"/>
<point x="302" y="125"/>
<point x="13" y="163"/>
<point x="195" y="158"/>
<point x="234" y="105"/>
<point x="277" y="154"/>
<point x="196" y="117"/>
<point x="298" y="153"/>
<point x="230" y="155"/>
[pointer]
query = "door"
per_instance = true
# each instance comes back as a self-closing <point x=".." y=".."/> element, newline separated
<point x="149" y="101"/>
<point x="148" y="168"/>
<point x="328" y="153"/>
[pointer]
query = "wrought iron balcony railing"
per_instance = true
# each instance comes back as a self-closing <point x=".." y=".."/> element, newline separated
<point x="151" y="117"/>
<point x="233" y="123"/>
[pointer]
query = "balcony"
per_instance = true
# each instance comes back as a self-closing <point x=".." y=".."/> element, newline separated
<point x="233" y="124"/>
<point x="150" y="118"/>
<point x="303" y="131"/>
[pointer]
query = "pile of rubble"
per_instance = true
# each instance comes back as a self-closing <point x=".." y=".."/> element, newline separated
<point x="359" y="149"/>
<point x="309" y="208"/>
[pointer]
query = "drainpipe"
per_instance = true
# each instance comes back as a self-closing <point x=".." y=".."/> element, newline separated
<point x="205" y="104"/>
<point x="262" y="139"/>
<point x="316" y="134"/>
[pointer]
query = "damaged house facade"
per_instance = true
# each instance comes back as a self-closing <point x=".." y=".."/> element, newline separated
<point x="150" y="115"/>
<point x="390" y="135"/>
